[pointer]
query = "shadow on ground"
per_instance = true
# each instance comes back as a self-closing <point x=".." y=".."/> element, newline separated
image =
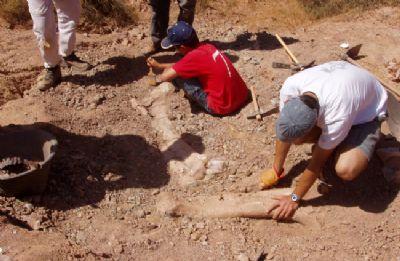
<point x="86" y="167"/>
<point x="370" y="191"/>
<point x="250" y="41"/>
<point x="125" y="70"/>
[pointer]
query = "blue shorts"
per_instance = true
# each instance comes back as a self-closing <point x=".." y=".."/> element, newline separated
<point x="364" y="136"/>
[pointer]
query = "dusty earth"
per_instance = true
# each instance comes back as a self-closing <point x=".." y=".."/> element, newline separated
<point x="117" y="156"/>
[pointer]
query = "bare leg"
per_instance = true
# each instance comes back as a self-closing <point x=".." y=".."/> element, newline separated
<point x="350" y="162"/>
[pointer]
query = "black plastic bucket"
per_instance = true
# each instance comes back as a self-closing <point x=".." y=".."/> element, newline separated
<point x="31" y="144"/>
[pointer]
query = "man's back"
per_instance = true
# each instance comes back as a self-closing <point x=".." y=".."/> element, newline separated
<point x="347" y="95"/>
<point x="225" y="88"/>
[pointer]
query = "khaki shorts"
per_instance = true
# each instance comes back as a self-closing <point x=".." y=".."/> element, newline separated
<point x="364" y="136"/>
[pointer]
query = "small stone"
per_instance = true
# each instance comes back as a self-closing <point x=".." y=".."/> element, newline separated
<point x="37" y="225"/>
<point x="4" y="258"/>
<point x="215" y="166"/>
<point x="195" y="236"/>
<point x="203" y="238"/>
<point x="242" y="257"/>
<point x="232" y="177"/>
<point x="112" y="177"/>
<point x="98" y="99"/>
<point x="155" y="192"/>
<point x="140" y="213"/>
<point x="28" y="208"/>
<point x="125" y="42"/>
<point x="200" y="225"/>
<point x="119" y="249"/>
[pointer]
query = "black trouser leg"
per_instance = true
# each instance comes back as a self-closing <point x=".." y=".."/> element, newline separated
<point x="160" y="19"/>
<point x="187" y="9"/>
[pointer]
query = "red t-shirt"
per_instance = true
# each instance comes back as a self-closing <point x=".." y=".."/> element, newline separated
<point x="225" y="89"/>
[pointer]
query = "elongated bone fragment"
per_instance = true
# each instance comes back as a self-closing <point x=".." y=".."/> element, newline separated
<point x="227" y="205"/>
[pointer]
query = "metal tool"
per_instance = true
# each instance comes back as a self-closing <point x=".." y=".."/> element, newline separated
<point x="292" y="67"/>
<point x="263" y="113"/>
<point x="255" y="104"/>
<point x="297" y="66"/>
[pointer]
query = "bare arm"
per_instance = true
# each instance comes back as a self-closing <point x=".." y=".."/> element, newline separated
<point x="152" y="63"/>
<point x="285" y="207"/>
<point x="168" y="75"/>
<point x="166" y="65"/>
<point x="281" y="151"/>
<point x="313" y="170"/>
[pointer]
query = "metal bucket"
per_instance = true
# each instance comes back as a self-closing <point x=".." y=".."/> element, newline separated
<point x="30" y="144"/>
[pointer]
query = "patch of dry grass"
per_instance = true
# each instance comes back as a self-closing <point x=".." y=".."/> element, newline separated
<point x="289" y="13"/>
<point x="203" y="4"/>
<point x="322" y="8"/>
<point x="108" y="12"/>
<point x="14" y="12"/>
<point x="95" y="13"/>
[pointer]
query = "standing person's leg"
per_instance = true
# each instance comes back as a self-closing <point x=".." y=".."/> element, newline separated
<point x="187" y="9"/>
<point x="194" y="92"/>
<point x="159" y="22"/>
<point x="44" y="27"/>
<point x="68" y="13"/>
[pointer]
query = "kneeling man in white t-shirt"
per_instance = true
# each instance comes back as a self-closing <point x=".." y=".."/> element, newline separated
<point x="339" y="107"/>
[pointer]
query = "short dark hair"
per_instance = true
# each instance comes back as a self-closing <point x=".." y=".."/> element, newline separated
<point x="310" y="101"/>
<point x="193" y="41"/>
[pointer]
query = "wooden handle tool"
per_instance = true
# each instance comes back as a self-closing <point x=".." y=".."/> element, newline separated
<point x="291" y="55"/>
<point x="255" y="103"/>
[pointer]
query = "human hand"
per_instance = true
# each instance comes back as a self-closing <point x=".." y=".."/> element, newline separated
<point x="283" y="208"/>
<point x="152" y="63"/>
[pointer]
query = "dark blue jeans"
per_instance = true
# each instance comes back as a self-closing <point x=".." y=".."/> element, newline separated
<point x="194" y="91"/>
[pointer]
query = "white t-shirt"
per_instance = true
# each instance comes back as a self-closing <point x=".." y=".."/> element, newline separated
<point x="347" y="95"/>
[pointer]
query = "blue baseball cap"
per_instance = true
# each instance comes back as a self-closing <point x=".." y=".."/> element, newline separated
<point x="178" y="34"/>
<point x="295" y="120"/>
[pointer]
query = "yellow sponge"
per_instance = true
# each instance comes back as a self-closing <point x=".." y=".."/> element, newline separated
<point x="269" y="178"/>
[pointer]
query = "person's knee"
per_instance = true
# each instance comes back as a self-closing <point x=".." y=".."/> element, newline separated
<point x="350" y="163"/>
<point x="346" y="171"/>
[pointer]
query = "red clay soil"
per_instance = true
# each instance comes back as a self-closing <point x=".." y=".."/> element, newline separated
<point x="111" y="168"/>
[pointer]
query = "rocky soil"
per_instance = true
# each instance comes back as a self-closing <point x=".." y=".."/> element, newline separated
<point x="116" y="158"/>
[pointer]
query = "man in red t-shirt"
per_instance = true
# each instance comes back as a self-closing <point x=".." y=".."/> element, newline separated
<point x="206" y="74"/>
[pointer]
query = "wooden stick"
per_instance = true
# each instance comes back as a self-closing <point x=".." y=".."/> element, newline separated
<point x="291" y="55"/>
<point x="255" y="103"/>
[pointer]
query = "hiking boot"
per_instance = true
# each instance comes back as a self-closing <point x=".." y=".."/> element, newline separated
<point x="323" y="187"/>
<point x="50" y="77"/>
<point x="74" y="61"/>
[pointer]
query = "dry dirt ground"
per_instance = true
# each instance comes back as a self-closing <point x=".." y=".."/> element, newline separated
<point x="116" y="159"/>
